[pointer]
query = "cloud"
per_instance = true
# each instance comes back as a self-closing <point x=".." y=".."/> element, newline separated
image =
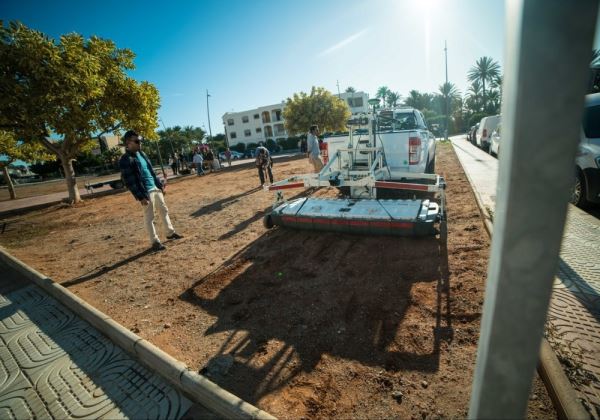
<point x="342" y="43"/>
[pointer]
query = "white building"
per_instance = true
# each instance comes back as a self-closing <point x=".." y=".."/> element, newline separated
<point x="264" y="123"/>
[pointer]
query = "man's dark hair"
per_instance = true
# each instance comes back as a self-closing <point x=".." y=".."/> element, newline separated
<point x="313" y="128"/>
<point x="128" y="135"/>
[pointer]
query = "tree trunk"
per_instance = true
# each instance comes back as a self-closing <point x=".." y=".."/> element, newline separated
<point x="11" y="187"/>
<point x="67" y="164"/>
<point x="484" y="98"/>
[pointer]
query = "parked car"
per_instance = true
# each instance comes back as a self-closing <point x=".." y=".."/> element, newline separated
<point x="249" y="153"/>
<point x="586" y="188"/>
<point x="495" y="141"/>
<point x="234" y="155"/>
<point x="473" y="134"/>
<point x="484" y="132"/>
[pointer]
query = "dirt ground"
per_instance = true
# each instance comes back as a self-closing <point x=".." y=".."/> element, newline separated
<point x="301" y="324"/>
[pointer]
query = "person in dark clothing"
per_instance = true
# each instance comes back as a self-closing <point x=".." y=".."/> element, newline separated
<point x="173" y="164"/>
<point x="208" y="160"/>
<point x="264" y="163"/>
<point x="140" y="179"/>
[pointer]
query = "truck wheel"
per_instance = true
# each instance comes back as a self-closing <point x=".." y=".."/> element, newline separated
<point x="431" y="166"/>
<point x="268" y="221"/>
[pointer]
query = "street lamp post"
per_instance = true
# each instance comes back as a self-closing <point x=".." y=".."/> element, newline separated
<point x="208" y="115"/>
<point x="447" y="92"/>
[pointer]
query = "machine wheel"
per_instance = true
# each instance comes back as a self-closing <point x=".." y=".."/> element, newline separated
<point x="268" y="221"/>
<point x="115" y="185"/>
<point x="444" y="231"/>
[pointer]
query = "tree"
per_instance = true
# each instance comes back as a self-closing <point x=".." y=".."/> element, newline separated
<point x="319" y="107"/>
<point x="13" y="150"/>
<point x="484" y="70"/>
<point x="413" y="99"/>
<point x="473" y="97"/>
<point x="383" y="93"/>
<point x="72" y="89"/>
<point x="393" y="99"/>
<point x="350" y="89"/>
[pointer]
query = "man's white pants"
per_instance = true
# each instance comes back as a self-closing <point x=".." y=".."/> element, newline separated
<point x="316" y="162"/>
<point x="157" y="202"/>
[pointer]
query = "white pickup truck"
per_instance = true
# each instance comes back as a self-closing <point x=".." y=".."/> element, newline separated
<point x="407" y="143"/>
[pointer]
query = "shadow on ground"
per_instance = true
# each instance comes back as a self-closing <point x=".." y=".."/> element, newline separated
<point x="291" y="297"/>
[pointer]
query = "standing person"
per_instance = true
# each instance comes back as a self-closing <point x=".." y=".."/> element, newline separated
<point x="140" y="179"/>
<point x="209" y="158"/>
<point x="228" y="156"/>
<point x="182" y="162"/>
<point x="198" y="162"/>
<point x="312" y="148"/>
<point x="173" y="164"/>
<point x="264" y="163"/>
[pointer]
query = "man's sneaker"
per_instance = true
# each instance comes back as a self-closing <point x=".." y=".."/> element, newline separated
<point x="175" y="236"/>
<point x="157" y="246"/>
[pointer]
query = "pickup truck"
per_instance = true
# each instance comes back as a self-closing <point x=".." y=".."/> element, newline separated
<point x="408" y="145"/>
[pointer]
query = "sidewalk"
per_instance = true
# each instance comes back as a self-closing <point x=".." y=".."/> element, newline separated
<point x="55" y="365"/>
<point x="41" y="201"/>
<point x="573" y="323"/>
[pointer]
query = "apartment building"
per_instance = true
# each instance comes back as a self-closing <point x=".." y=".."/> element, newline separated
<point x="264" y="123"/>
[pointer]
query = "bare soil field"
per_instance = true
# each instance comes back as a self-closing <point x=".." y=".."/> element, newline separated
<point x="301" y="324"/>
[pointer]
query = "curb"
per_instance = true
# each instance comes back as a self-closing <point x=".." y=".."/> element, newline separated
<point x="557" y="384"/>
<point x="198" y="388"/>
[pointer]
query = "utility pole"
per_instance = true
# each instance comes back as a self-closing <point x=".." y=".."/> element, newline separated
<point x="208" y="114"/>
<point x="337" y="82"/>
<point x="447" y="105"/>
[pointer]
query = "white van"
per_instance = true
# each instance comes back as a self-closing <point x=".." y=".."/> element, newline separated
<point x="484" y="132"/>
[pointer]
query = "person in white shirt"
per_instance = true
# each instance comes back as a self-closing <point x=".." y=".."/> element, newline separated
<point x="198" y="163"/>
<point x="313" y="152"/>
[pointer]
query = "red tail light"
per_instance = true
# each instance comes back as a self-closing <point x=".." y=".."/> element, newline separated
<point x="414" y="150"/>
<point x="324" y="147"/>
<point x="484" y="134"/>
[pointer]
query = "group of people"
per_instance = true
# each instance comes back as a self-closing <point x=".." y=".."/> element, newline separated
<point x="204" y="159"/>
<point x="140" y="178"/>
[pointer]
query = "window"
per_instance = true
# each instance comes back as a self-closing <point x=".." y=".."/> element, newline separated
<point x="258" y="130"/>
<point x="233" y="135"/>
<point x="245" y="119"/>
<point x="355" y="102"/>
<point x="247" y="133"/>
<point x="395" y="122"/>
<point x="256" y="116"/>
<point x="591" y="122"/>
<point x="230" y="121"/>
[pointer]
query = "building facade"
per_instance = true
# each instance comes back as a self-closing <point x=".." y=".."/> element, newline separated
<point x="264" y="123"/>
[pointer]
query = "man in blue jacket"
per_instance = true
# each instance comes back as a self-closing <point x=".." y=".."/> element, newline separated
<point x="140" y="179"/>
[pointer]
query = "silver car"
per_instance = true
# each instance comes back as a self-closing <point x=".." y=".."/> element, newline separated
<point x="587" y="164"/>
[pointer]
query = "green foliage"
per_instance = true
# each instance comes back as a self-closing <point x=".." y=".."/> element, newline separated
<point x="271" y="145"/>
<point x="112" y="155"/>
<point x="319" y="107"/>
<point x="485" y="70"/>
<point x="179" y="138"/>
<point x="383" y="93"/>
<point x="251" y="146"/>
<point x="240" y="147"/>
<point x="73" y="88"/>
<point x="13" y="150"/>
<point x="350" y="89"/>
<point x="288" y="144"/>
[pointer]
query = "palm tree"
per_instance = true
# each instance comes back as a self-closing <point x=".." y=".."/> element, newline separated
<point x="484" y="70"/>
<point x="382" y="93"/>
<point x="450" y="94"/>
<point x="393" y="98"/>
<point x="413" y="99"/>
<point x="350" y="89"/>
<point x="473" y="96"/>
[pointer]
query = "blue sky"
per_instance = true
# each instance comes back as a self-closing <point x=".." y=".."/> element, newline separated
<point x="255" y="53"/>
